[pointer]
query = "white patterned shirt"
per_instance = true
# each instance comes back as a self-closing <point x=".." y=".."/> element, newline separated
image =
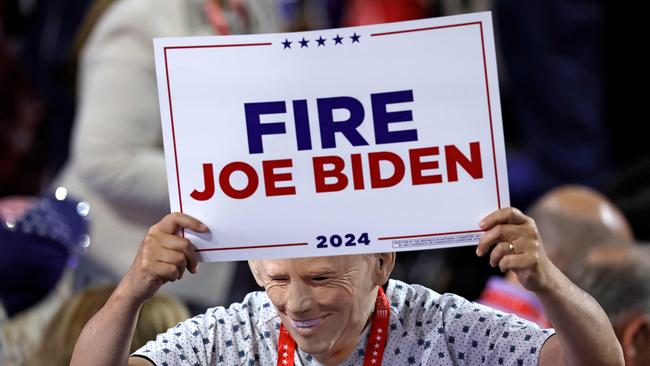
<point x="426" y="328"/>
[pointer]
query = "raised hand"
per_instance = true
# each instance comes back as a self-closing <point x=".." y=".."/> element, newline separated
<point x="517" y="246"/>
<point x="163" y="256"/>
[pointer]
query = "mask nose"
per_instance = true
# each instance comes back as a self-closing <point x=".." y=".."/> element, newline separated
<point x="300" y="299"/>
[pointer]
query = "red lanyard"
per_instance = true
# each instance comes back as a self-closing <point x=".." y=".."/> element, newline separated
<point x="376" y="339"/>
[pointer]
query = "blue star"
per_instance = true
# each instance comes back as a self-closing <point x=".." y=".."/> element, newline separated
<point x="286" y="44"/>
<point x="355" y="37"/>
<point x="321" y="41"/>
<point x="338" y="40"/>
<point x="303" y="42"/>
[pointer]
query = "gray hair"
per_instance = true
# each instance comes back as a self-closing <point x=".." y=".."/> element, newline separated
<point x="620" y="282"/>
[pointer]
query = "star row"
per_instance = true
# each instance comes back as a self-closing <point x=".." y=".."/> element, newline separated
<point x="320" y="41"/>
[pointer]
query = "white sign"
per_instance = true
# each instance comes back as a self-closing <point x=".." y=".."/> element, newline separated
<point x="340" y="141"/>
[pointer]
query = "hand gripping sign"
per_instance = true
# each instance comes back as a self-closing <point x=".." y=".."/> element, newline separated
<point x="332" y="142"/>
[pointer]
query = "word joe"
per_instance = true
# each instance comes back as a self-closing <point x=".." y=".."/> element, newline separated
<point x="423" y="163"/>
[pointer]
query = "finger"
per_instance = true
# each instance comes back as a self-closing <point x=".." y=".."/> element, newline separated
<point x="174" y="242"/>
<point x="496" y="235"/>
<point x="175" y="258"/>
<point x="172" y="257"/>
<point x="185" y="246"/>
<point x="192" y="263"/>
<point x="499" y="251"/>
<point x="517" y="262"/>
<point x="174" y="221"/>
<point x="507" y="215"/>
<point x="165" y="271"/>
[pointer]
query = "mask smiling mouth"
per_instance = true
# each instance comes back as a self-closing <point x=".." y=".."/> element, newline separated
<point x="305" y="324"/>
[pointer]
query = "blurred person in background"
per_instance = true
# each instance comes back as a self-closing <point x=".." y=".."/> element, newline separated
<point x="41" y="240"/>
<point x="571" y="220"/>
<point x="117" y="162"/>
<point x="158" y="314"/>
<point x="619" y="279"/>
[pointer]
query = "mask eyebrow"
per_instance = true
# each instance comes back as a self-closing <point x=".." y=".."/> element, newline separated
<point x="277" y="275"/>
<point x="321" y="273"/>
<point x="278" y="279"/>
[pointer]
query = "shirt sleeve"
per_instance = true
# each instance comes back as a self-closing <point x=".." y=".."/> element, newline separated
<point x="218" y="337"/>
<point x="191" y="342"/>
<point x="475" y="333"/>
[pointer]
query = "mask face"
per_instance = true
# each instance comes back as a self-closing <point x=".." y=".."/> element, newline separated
<point x="325" y="302"/>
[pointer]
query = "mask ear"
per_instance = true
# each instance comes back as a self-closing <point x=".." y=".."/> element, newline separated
<point x="385" y="267"/>
<point x="254" y="266"/>
<point x="635" y="339"/>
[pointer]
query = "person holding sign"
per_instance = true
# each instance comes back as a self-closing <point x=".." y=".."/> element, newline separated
<point x="346" y="310"/>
